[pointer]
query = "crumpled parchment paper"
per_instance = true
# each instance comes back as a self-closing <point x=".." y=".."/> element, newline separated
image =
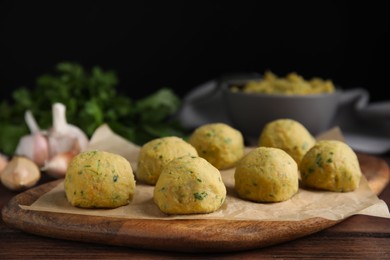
<point x="303" y="205"/>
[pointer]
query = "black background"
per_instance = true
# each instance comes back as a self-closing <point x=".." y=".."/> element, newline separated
<point x="158" y="44"/>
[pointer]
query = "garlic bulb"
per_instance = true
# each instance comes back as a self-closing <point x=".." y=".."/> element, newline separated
<point x="34" y="146"/>
<point x="62" y="135"/>
<point x="20" y="173"/>
<point x="52" y="150"/>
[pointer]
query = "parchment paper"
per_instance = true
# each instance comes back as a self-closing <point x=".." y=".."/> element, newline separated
<point x="305" y="204"/>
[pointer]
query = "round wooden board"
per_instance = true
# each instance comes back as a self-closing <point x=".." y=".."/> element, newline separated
<point x="173" y="235"/>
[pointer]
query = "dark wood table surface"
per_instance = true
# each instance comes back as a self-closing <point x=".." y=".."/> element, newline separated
<point x="358" y="237"/>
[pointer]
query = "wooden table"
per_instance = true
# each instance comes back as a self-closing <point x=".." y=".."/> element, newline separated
<point x="359" y="237"/>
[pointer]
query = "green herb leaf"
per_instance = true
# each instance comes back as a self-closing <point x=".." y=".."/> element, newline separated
<point x="91" y="99"/>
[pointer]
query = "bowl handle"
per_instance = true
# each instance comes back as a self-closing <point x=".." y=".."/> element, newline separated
<point x="202" y="93"/>
<point x="359" y="96"/>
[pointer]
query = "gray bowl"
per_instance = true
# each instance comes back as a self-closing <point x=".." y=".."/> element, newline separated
<point x="250" y="112"/>
<point x="212" y="102"/>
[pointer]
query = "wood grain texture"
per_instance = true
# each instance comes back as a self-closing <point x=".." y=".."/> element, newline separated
<point x="173" y="235"/>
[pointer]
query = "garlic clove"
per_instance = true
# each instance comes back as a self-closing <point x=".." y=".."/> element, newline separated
<point x="3" y="162"/>
<point x="58" y="165"/>
<point x="20" y="173"/>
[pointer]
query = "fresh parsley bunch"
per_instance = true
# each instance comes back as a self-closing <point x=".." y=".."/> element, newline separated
<point x="91" y="99"/>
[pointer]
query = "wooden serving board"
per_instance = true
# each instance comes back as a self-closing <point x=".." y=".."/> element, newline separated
<point x="173" y="235"/>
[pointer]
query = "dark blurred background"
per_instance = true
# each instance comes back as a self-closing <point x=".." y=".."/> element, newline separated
<point x="158" y="44"/>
